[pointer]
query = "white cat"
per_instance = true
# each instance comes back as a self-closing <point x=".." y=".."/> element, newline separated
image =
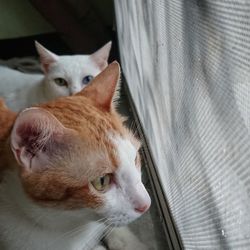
<point x="63" y="76"/>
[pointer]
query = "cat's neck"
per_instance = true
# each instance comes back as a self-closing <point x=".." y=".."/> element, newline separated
<point x="31" y="93"/>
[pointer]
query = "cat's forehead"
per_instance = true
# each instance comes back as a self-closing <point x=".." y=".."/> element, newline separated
<point x="92" y="155"/>
<point x="112" y="154"/>
<point x="105" y="145"/>
<point x="76" y="64"/>
<point x="100" y="139"/>
<point x="126" y="152"/>
<point x="124" y="147"/>
<point x="71" y="60"/>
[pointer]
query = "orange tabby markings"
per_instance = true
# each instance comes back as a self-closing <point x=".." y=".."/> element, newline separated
<point x="51" y="156"/>
<point x="86" y="117"/>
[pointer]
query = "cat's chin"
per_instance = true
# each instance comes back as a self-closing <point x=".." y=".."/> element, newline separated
<point x="121" y="221"/>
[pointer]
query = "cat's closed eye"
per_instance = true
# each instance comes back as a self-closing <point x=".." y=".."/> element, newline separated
<point x="87" y="79"/>
<point x="61" y="82"/>
<point x="102" y="183"/>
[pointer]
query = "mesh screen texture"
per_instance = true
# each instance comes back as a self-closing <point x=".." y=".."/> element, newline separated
<point x="187" y="66"/>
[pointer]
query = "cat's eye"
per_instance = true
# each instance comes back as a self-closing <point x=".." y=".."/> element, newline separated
<point x="87" y="79"/>
<point x="102" y="183"/>
<point x="61" y="82"/>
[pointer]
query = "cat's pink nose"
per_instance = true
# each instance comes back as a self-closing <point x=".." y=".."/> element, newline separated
<point x="142" y="209"/>
<point x="141" y="199"/>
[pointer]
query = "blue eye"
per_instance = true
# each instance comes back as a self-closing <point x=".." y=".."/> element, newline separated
<point x="87" y="79"/>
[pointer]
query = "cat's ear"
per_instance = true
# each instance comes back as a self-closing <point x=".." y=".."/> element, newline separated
<point x="35" y="135"/>
<point x="100" y="57"/>
<point x="46" y="57"/>
<point x="104" y="87"/>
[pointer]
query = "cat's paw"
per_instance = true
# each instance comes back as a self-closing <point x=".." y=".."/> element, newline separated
<point x="123" y="239"/>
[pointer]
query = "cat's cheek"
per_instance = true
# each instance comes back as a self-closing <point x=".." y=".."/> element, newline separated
<point x="53" y="193"/>
<point x="88" y="198"/>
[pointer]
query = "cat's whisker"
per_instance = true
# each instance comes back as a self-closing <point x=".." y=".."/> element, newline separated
<point x="98" y="236"/>
<point x="107" y="232"/>
<point x="103" y="219"/>
<point x="67" y="234"/>
<point x="76" y="230"/>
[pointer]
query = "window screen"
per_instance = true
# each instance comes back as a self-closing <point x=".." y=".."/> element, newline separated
<point x="187" y="67"/>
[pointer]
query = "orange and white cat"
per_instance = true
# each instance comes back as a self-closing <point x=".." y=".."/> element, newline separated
<point x="63" y="76"/>
<point x="69" y="172"/>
